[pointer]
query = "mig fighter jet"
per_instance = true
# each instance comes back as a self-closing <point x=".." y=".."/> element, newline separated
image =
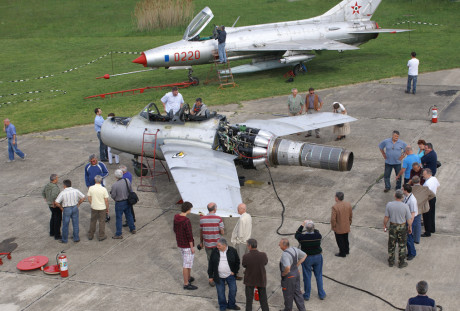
<point x="201" y="152"/>
<point x="274" y="45"/>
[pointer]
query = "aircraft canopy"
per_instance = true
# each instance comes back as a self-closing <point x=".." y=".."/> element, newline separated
<point x="198" y="23"/>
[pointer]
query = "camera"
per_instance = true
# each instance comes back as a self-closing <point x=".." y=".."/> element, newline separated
<point x="199" y="247"/>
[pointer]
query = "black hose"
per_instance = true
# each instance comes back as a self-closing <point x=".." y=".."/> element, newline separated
<point x="327" y="277"/>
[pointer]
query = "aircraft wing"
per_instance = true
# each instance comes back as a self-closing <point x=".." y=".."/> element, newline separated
<point x="203" y="175"/>
<point x="296" y="45"/>
<point x="297" y="124"/>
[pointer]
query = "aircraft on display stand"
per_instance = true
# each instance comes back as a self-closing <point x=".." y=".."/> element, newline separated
<point x="344" y="27"/>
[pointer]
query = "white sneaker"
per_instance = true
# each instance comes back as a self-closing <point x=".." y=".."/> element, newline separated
<point x="9" y="161"/>
<point x="24" y="158"/>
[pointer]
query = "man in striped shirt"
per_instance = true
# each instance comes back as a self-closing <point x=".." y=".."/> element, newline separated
<point x="211" y="230"/>
<point x="68" y="201"/>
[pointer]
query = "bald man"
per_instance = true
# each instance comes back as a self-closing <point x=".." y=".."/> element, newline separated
<point x="242" y="232"/>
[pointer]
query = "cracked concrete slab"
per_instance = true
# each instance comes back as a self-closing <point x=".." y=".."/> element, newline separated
<point x="143" y="271"/>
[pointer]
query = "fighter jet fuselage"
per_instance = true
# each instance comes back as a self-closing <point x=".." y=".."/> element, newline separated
<point x="344" y="27"/>
<point x="203" y="152"/>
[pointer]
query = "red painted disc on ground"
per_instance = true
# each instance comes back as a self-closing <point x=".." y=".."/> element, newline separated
<point x="54" y="269"/>
<point x="31" y="263"/>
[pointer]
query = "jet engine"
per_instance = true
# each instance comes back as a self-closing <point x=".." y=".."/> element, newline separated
<point x="256" y="147"/>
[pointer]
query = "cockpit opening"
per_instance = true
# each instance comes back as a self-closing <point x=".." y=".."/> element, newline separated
<point x="152" y="113"/>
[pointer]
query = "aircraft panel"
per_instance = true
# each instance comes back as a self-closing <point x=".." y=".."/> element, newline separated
<point x="204" y="175"/>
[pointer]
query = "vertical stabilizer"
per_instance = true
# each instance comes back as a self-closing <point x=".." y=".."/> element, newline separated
<point x="350" y="10"/>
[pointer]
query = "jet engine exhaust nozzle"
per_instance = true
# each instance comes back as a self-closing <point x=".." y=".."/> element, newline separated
<point x="294" y="153"/>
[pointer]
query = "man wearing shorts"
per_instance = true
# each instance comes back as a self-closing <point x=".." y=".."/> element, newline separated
<point x="185" y="243"/>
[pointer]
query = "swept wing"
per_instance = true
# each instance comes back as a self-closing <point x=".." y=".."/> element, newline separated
<point x="203" y="175"/>
<point x="297" y="124"/>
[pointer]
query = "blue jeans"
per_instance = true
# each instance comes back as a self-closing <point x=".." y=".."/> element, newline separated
<point x="409" y="80"/>
<point x="102" y="148"/>
<point x="70" y="212"/>
<point x="220" y="286"/>
<point x="417" y="228"/>
<point x="314" y="262"/>
<point x="410" y="245"/>
<point x="120" y="208"/>
<point x="222" y="54"/>
<point x="12" y="149"/>
<point x="387" y="174"/>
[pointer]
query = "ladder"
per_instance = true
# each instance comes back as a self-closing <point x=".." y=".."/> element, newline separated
<point x="224" y="79"/>
<point x="149" y="170"/>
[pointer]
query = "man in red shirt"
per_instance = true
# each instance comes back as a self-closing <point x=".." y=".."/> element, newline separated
<point x="185" y="242"/>
<point x="211" y="230"/>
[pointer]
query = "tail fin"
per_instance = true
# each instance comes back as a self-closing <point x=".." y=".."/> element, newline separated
<point x="350" y="10"/>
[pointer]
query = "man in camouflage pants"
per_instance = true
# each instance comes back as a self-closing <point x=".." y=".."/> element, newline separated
<point x="398" y="214"/>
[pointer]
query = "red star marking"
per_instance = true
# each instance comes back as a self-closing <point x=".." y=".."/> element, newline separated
<point x="356" y="8"/>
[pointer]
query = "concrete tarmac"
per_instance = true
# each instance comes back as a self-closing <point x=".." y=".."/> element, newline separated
<point x="143" y="271"/>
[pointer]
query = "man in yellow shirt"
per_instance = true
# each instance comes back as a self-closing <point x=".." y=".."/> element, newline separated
<point x="98" y="197"/>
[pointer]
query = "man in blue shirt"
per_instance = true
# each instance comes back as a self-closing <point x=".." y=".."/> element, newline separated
<point x="410" y="159"/>
<point x="392" y="150"/>
<point x="94" y="168"/>
<point x="421" y="301"/>
<point x="10" y="131"/>
<point x="98" y="120"/>
<point x="430" y="159"/>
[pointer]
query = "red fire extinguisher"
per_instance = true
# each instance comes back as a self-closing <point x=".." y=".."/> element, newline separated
<point x="434" y="114"/>
<point x="63" y="267"/>
<point x="256" y="294"/>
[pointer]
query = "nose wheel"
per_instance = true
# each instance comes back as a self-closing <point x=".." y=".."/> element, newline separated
<point x="195" y="81"/>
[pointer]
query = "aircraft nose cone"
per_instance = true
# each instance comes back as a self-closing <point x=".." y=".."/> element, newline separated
<point x="141" y="60"/>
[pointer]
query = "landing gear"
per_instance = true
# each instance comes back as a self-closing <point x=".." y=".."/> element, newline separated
<point x="299" y="68"/>
<point x="137" y="168"/>
<point x="195" y="80"/>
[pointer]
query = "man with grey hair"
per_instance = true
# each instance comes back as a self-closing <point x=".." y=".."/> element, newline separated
<point x="119" y="193"/>
<point x="242" y="232"/>
<point x="433" y="184"/>
<point x="223" y="266"/>
<point x="98" y="198"/>
<point x="423" y="195"/>
<point x="310" y="243"/>
<point x="50" y="193"/>
<point x="341" y="218"/>
<point x="290" y="261"/>
<point x="129" y="176"/>
<point x="295" y="103"/>
<point x="421" y="302"/>
<point x="255" y="275"/>
<point x="398" y="214"/>
<point x="93" y="168"/>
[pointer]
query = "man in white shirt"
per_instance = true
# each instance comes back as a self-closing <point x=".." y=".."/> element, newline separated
<point x="242" y="232"/>
<point x="411" y="201"/>
<point x="223" y="266"/>
<point x="433" y="184"/>
<point x="68" y="201"/>
<point x="412" y="64"/>
<point x="172" y="101"/>
<point x="98" y="197"/>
